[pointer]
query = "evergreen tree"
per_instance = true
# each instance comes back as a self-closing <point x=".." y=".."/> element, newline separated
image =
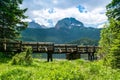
<point x="113" y="10"/>
<point x="110" y="36"/>
<point x="11" y="16"/>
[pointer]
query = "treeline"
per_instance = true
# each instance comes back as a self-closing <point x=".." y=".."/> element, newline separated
<point x="85" y="42"/>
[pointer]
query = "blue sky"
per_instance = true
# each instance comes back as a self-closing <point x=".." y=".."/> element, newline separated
<point x="48" y="12"/>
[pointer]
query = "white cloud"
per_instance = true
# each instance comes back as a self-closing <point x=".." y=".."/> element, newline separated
<point x="63" y="4"/>
<point x="48" y="12"/>
<point x="101" y="26"/>
<point x="27" y="20"/>
<point x="93" y="17"/>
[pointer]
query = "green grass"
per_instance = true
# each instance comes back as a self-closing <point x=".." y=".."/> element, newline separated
<point x="58" y="70"/>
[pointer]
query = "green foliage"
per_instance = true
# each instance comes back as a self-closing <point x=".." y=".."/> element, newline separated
<point x="11" y="19"/>
<point x="105" y="41"/>
<point x="59" y="70"/>
<point x="16" y="74"/>
<point x="109" y="42"/>
<point x="115" y="53"/>
<point x="23" y="58"/>
<point x="110" y="36"/>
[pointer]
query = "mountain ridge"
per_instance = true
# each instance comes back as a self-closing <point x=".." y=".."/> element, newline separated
<point x="61" y="33"/>
<point x="33" y="24"/>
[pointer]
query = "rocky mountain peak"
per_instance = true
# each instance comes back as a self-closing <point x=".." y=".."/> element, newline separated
<point x="68" y="23"/>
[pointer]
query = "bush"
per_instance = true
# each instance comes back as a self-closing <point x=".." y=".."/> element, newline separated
<point x="23" y="58"/>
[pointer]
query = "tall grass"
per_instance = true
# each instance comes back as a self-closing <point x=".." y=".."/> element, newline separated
<point x="59" y="70"/>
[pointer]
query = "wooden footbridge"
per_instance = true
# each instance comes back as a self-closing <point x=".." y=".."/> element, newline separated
<point x="72" y="51"/>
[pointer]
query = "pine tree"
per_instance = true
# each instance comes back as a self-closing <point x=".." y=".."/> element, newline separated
<point x="11" y="16"/>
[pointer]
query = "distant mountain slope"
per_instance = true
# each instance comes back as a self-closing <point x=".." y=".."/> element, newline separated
<point x="35" y="25"/>
<point x="66" y="30"/>
<point x="59" y="36"/>
<point x="68" y="23"/>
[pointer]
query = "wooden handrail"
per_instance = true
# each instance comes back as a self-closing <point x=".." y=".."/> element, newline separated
<point x="47" y="46"/>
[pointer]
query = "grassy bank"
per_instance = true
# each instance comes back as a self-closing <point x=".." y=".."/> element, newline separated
<point x="58" y="70"/>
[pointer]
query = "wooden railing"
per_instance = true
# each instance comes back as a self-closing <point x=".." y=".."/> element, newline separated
<point x="50" y="48"/>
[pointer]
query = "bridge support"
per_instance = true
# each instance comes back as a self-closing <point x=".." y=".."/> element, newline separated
<point x="49" y="57"/>
<point x="69" y="56"/>
<point x="72" y="56"/>
<point x="90" y="56"/>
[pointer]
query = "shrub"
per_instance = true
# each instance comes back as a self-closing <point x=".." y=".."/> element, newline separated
<point x="23" y="58"/>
